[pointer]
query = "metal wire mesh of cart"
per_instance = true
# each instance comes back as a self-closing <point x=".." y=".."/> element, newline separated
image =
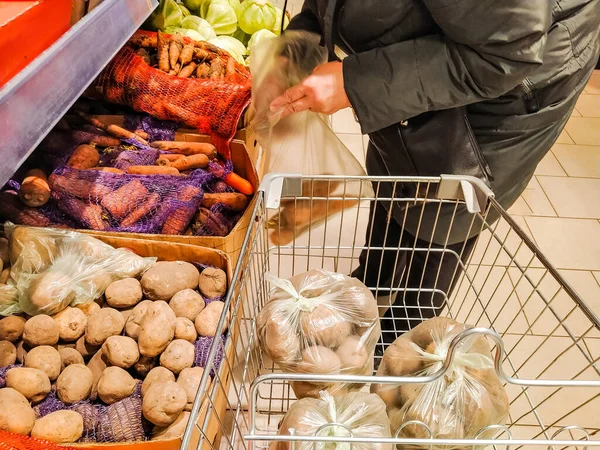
<point x="546" y="339"/>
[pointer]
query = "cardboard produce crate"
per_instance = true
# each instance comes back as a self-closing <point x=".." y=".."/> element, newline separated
<point x="171" y="251"/>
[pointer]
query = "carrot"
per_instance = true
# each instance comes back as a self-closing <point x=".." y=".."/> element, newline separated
<point x="152" y="170"/>
<point x="186" y="148"/>
<point x="162" y="46"/>
<point x="169" y="157"/>
<point x="104" y="141"/>
<point x="186" y="55"/>
<point x="238" y="183"/>
<point x="232" y="200"/>
<point x="180" y="217"/>
<point x="143" y="53"/>
<point x="187" y="71"/>
<point x="174" y="52"/>
<point x="190" y="162"/>
<point x="144" y="209"/>
<point x="175" y="70"/>
<point x="230" y="68"/>
<point x="144" y="40"/>
<point x="107" y="170"/>
<point x="12" y="209"/>
<point x="203" y="70"/>
<point x="84" y="157"/>
<point x="217" y="68"/>
<point x="118" y="203"/>
<point x="89" y="215"/>
<point x="35" y="190"/>
<point x="203" y="54"/>
<point x="122" y="133"/>
<point x="77" y="187"/>
<point x="142" y="134"/>
<point x="207" y="221"/>
<point x="92" y="120"/>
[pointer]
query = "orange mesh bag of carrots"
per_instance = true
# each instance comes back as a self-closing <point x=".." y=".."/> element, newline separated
<point x="13" y="441"/>
<point x="172" y="77"/>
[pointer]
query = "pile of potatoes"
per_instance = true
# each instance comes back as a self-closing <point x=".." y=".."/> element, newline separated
<point x="330" y="327"/>
<point x="458" y="405"/>
<point x="139" y="330"/>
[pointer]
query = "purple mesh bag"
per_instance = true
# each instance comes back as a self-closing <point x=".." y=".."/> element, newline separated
<point x="159" y="130"/>
<point x="49" y="405"/>
<point x="202" y="345"/>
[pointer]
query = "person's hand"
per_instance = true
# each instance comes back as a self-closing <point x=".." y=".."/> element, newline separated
<point x="321" y="92"/>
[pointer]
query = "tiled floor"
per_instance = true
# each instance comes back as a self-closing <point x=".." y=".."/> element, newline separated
<point x="560" y="208"/>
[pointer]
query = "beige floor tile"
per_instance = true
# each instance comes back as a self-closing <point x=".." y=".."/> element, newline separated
<point x="586" y="285"/>
<point x="597" y="275"/>
<point x="584" y="131"/>
<point x="520" y="208"/>
<point x="564" y="138"/>
<point x="573" y="197"/>
<point x="578" y="160"/>
<point x="593" y="86"/>
<point x="588" y="106"/>
<point x="568" y="243"/>
<point x="537" y="200"/>
<point x="550" y="166"/>
<point x="344" y="122"/>
<point x="354" y="143"/>
<point x="575" y="113"/>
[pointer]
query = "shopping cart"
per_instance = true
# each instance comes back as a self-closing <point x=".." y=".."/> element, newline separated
<point x="545" y="338"/>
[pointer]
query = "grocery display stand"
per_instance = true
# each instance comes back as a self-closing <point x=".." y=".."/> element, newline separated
<point x="545" y="337"/>
<point x="36" y="98"/>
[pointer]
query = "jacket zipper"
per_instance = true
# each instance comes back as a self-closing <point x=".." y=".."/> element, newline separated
<point x="530" y="98"/>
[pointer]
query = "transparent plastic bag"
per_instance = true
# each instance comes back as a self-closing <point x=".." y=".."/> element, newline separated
<point x="320" y="322"/>
<point x="302" y="142"/>
<point x="468" y="398"/>
<point x="52" y="269"/>
<point x="356" y="414"/>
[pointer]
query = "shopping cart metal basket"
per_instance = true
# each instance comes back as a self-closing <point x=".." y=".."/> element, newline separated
<point x="545" y="338"/>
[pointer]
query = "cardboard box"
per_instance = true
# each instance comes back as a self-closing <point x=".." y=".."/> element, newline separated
<point x="27" y="28"/>
<point x="170" y="251"/>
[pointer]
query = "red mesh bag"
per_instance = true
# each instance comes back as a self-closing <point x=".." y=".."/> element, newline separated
<point x="12" y="441"/>
<point x="212" y="106"/>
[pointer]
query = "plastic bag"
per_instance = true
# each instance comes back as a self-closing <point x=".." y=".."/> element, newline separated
<point x="52" y="269"/>
<point x="303" y="142"/>
<point x="320" y="322"/>
<point x="356" y="414"/>
<point x="468" y="398"/>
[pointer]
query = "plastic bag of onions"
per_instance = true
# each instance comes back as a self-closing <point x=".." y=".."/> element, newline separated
<point x="320" y="322"/>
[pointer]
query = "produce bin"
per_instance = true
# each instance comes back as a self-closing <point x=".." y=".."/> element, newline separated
<point x="543" y="334"/>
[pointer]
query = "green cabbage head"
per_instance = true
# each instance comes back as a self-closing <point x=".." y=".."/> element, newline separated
<point x="200" y="25"/>
<point x="256" y="15"/>
<point x="221" y="15"/>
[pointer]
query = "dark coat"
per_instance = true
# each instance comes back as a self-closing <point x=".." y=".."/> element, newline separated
<point x="519" y="65"/>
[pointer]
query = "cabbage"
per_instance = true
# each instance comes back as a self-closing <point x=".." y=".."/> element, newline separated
<point x="241" y="36"/>
<point x="200" y="25"/>
<point x="184" y="10"/>
<point x="192" y="34"/>
<point x="221" y="15"/>
<point x="168" y="14"/>
<point x="235" y="4"/>
<point x="259" y="36"/>
<point x="232" y="46"/>
<point x="193" y="5"/>
<point x="277" y="28"/>
<point x="255" y="15"/>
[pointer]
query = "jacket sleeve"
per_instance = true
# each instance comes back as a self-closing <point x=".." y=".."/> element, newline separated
<point x="484" y="50"/>
<point x="306" y="20"/>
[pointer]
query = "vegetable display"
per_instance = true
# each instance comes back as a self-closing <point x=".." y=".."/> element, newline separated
<point x="122" y="371"/>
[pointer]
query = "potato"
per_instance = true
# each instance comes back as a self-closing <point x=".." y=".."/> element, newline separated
<point x="279" y="343"/>
<point x="71" y="324"/>
<point x="320" y="360"/>
<point x="185" y="329"/>
<point x="353" y="355"/>
<point x="400" y="359"/>
<point x="189" y="379"/>
<point x="8" y="353"/>
<point x="187" y="303"/>
<point x="212" y="282"/>
<point x="206" y="322"/>
<point x="69" y="356"/>
<point x="123" y="293"/>
<point x="126" y="313"/>
<point x="134" y="321"/>
<point x="50" y="292"/>
<point x="173" y="431"/>
<point x="16" y="415"/>
<point x="4" y="256"/>
<point x="34" y="384"/>
<point x="157" y="375"/>
<point x="115" y="384"/>
<point x="35" y="247"/>
<point x="22" y="350"/>
<point x="157" y="329"/>
<point x="88" y="308"/>
<point x="422" y="333"/>
<point x="97" y="365"/>
<point x="45" y="358"/>
<point x="11" y="328"/>
<point x="121" y="351"/>
<point x="325" y="326"/>
<point x="40" y="330"/>
<point x="144" y="365"/>
<point x="74" y="383"/>
<point x="163" y="403"/>
<point x="102" y="324"/>
<point x="165" y="278"/>
<point x="178" y="355"/>
<point x="86" y="350"/>
<point x="61" y="427"/>
<point x="4" y="275"/>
